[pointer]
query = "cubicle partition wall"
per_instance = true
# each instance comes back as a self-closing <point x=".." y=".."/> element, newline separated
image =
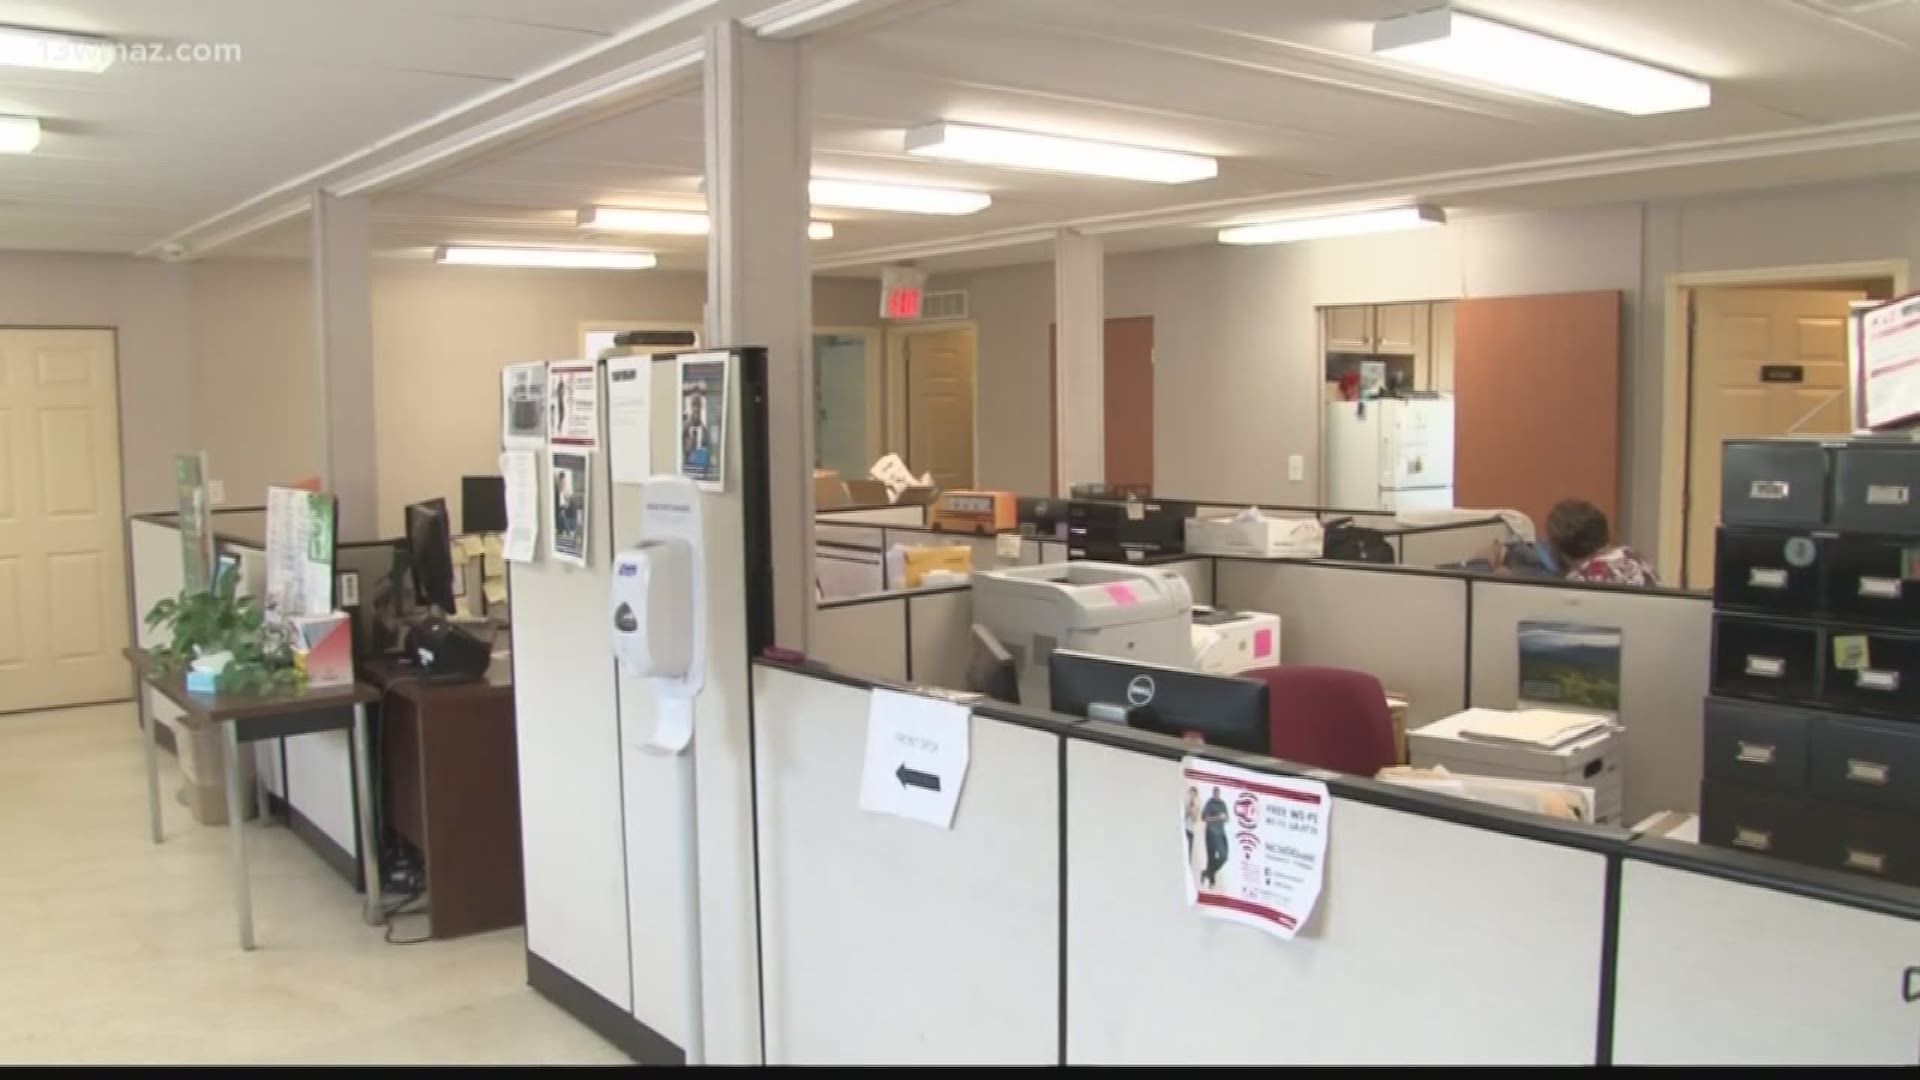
<point x="1050" y="925"/>
<point x="913" y="516"/>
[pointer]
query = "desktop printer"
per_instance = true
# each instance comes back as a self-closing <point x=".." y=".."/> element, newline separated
<point x="1131" y="612"/>
<point x="1126" y="530"/>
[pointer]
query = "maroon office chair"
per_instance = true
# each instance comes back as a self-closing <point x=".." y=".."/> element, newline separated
<point x="1329" y="717"/>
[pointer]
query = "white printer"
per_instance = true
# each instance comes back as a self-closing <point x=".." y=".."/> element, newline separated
<point x="1132" y="612"/>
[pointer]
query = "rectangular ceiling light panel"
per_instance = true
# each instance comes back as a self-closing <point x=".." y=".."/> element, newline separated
<point x="1332" y="225"/>
<point x="1057" y="153"/>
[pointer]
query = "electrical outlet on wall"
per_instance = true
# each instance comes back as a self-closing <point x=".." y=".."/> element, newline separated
<point x="1296" y="467"/>
<point x="217" y="492"/>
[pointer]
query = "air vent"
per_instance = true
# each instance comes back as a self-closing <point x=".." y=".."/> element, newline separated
<point x="950" y="304"/>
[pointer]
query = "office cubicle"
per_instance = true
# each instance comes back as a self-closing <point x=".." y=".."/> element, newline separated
<point x="1447" y="932"/>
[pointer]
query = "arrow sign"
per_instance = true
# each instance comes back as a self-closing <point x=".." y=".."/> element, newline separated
<point x="910" y="778"/>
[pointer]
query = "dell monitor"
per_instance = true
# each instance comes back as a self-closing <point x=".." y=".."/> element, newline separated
<point x="991" y="671"/>
<point x="483" y="504"/>
<point x="430" y="550"/>
<point x="1220" y="710"/>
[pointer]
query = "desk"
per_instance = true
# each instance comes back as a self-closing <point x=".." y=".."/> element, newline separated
<point x="451" y="787"/>
<point x="250" y="717"/>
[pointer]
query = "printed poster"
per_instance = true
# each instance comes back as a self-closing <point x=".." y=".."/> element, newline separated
<point x="300" y="540"/>
<point x="1890" y="364"/>
<point x="520" y="469"/>
<point x="1569" y="666"/>
<point x="572" y="504"/>
<point x="1256" y="845"/>
<point x="630" y="418"/>
<point x="523" y="406"/>
<point x="703" y="416"/>
<point x="573" y="405"/>
<point x="196" y="520"/>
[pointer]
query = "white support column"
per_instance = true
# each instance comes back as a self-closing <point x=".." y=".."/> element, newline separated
<point x="759" y="280"/>
<point x="343" y="323"/>
<point x="1080" y="320"/>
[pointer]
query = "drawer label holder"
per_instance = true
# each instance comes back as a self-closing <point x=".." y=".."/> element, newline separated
<point x="1868" y="772"/>
<point x="1885" y="681"/>
<point x="1873" y="862"/>
<point x="1887" y="495"/>
<point x="1880" y="588"/>
<point x="1752" y="839"/>
<point x="1769" y="490"/>
<point x="1766" y="667"/>
<point x="1754" y="753"/>
<point x="1767" y="577"/>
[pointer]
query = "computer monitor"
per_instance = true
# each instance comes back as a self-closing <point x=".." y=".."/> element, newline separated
<point x="430" y="550"/>
<point x="483" y="504"/>
<point x="1220" y="710"/>
<point x="991" y="670"/>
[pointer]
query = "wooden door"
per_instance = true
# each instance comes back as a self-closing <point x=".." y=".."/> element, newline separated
<point x="63" y="575"/>
<point x="1349" y="329"/>
<point x="1765" y="362"/>
<point x="1127" y="409"/>
<point x="940" y="388"/>
<point x="1537" y="402"/>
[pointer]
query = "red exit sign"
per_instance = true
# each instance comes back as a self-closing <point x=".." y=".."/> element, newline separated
<point x="901" y="291"/>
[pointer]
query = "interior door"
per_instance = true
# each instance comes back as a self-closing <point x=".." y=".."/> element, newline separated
<point x="1537" y="402"/>
<point x="939" y="384"/>
<point x="1128" y="388"/>
<point x="1765" y="362"/>
<point x="63" y="575"/>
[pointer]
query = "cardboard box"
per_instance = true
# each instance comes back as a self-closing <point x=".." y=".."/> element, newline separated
<point x="1261" y="538"/>
<point x="829" y="491"/>
<point x="203" y="787"/>
<point x="1591" y="760"/>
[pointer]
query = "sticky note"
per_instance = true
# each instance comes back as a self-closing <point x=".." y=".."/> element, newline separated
<point x="496" y="569"/>
<point x="1262" y="643"/>
<point x="469" y="547"/>
<point x="1121" y="593"/>
<point x="494" y="547"/>
<point x="496" y="591"/>
<point x="1850" y="652"/>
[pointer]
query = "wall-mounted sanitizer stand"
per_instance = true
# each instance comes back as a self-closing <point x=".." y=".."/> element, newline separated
<point x="659" y="615"/>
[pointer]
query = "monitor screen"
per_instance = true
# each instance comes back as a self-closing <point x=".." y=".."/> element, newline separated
<point x="483" y="504"/>
<point x="991" y="670"/>
<point x="1220" y="710"/>
<point x="430" y="549"/>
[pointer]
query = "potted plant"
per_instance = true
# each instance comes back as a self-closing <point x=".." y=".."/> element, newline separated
<point x="215" y="621"/>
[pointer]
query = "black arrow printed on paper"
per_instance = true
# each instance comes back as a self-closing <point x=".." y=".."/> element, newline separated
<point x="910" y="778"/>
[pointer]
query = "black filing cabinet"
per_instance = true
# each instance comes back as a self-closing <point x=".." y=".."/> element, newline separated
<point x="1812" y="731"/>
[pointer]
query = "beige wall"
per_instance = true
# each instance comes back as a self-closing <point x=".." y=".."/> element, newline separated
<point x="1237" y="348"/>
<point x="147" y="304"/>
<point x="441" y="336"/>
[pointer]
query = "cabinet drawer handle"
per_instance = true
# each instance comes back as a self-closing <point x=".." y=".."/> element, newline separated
<point x="1754" y="753"/>
<point x="1880" y="588"/>
<point x="1873" y="862"/>
<point x="1868" y="772"/>
<point x="1752" y="839"/>
<point x="1767" y="577"/>
<point x="1877" y="680"/>
<point x="1767" y="667"/>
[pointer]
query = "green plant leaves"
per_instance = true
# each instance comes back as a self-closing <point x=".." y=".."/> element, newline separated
<point x="219" y="620"/>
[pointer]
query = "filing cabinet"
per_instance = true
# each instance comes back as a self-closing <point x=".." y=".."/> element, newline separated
<point x="1872" y="579"/>
<point x="1874" y="484"/>
<point x="1869" y="763"/>
<point x="1868" y="842"/>
<point x="1765" y="823"/>
<point x="1769" y="659"/>
<point x="1757" y="746"/>
<point x="1774" y="482"/>
<point x="1872" y="670"/>
<point x="1779" y="571"/>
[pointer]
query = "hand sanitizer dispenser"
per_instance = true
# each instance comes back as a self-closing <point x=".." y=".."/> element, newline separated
<point x="653" y="608"/>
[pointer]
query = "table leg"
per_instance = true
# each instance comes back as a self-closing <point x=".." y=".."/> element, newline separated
<point x="261" y="802"/>
<point x="153" y="764"/>
<point x="363" y="797"/>
<point x="237" y="825"/>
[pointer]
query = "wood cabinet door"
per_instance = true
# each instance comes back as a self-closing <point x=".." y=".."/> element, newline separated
<point x="1398" y="329"/>
<point x="1350" y="329"/>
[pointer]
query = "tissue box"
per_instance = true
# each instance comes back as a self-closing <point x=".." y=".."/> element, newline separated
<point x="1259" y="538"/>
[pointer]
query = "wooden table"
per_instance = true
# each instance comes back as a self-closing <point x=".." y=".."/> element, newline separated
<point x="451" y="787"/>
<point x="252" y="717"/>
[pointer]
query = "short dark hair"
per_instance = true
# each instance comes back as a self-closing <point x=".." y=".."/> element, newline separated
<point x="1577" y="529"/>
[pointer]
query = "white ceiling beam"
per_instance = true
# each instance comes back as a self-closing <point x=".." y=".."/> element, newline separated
<point x="812" y="18"/>
<point x="1815" y="139"/>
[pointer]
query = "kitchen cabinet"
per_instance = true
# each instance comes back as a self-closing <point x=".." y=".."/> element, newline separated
<point x="1421" y="332"/>
<point x="1400" y="329"/>
<point x="1350" y="329"/>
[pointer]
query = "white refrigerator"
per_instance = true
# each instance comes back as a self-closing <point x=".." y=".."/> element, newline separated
<point x="1390" y="454"/>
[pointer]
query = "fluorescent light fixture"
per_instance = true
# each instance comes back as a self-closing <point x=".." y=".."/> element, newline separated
<point x="668" y="222"/>
<point x="23" y="47"/>
<point x="19" y="134"/>
<point x="1057" y="153"/>
<point x="1320" y="228"/>
<point x="558" y="258"/>
<point x="1523" y="60"/>
<point x="898" y="198"/>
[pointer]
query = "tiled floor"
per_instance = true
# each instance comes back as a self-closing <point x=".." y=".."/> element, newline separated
<point x="114" y="950"/>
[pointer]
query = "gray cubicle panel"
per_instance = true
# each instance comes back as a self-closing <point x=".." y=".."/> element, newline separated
<point x="940" y="642"/>
<point x="1409" y="630"/>
<point x="1432" y="941"/>
<point x="1721" y="972"/>
<point x="875" y="515"/>
<point x="869" y="537"/>
<point x="864" y="635"/>
<point x="842" y="572"/>
<point x="1451" y="545"/>
<point x="1666" y="640"/>
<point x="889" y="941"/>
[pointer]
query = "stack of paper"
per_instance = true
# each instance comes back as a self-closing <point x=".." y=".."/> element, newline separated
<point x="1542" y="728"/>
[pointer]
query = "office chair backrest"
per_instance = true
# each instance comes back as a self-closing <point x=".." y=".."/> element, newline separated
<point x="1329" y="717"/>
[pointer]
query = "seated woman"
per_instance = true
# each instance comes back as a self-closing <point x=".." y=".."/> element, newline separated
<point x="1577" y="533"/>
